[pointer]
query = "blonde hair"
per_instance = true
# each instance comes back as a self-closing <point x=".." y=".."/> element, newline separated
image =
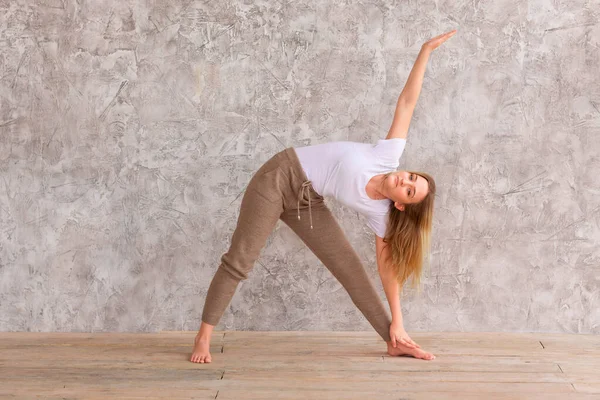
<point x="409" y="234"/>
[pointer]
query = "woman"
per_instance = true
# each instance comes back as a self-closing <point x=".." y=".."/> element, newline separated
<point x="398" y="206"/>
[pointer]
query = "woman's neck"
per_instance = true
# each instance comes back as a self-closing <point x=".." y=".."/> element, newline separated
<point x="373" y="187"/>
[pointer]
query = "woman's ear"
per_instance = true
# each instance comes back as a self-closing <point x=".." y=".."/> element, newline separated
<point x="399" y="206"/>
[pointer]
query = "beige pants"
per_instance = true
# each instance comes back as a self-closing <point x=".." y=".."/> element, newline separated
<point x="281" y="190"/>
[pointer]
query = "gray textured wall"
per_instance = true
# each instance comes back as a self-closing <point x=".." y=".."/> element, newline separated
<point x="129" y="130"/>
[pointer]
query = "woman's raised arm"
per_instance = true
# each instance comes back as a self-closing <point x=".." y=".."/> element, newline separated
<point x="407" y="100"/>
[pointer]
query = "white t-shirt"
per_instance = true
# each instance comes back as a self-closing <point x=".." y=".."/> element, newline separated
<point x="343" y="169"/>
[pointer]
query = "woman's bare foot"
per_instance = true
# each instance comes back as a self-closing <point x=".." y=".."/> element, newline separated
<point x="403" y="350"/>
<point x="201" y="353"/>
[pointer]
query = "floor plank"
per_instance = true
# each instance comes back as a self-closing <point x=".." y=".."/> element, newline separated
<point x="403" y="394"/>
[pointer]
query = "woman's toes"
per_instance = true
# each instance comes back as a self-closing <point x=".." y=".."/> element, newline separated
<point x="422" y="354"/>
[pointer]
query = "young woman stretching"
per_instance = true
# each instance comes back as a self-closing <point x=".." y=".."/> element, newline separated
<point x="398" y="206"/>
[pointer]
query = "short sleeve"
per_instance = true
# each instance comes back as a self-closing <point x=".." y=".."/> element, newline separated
<point x="389" y="151"/>
<point x="378" y="224"/>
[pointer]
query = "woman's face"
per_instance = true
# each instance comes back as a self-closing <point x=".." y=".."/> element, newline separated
<point x="404" y="187"/>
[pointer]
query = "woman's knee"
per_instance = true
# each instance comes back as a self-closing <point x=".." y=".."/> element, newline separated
<point x="236" y="269"/>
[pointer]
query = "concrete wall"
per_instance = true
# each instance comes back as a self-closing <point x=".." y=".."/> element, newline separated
<point x="129" y="130"/>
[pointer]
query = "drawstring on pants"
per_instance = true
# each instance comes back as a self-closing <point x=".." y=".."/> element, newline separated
<point x="306" y="185"/>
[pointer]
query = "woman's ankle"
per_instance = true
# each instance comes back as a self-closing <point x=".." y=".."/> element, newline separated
<point x="205" y="332"/>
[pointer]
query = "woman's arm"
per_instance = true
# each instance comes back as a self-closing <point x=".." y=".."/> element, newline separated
<point x="407" y="100"/>
<point x="392" y="292"/>
<point x="412" y="88"/>
<point x="388" y="280"/>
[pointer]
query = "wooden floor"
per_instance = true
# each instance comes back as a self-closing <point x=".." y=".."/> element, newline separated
<point x="298" y="365"/>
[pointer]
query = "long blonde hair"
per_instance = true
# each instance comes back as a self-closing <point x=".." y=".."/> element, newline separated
<point x="408" y="235"/>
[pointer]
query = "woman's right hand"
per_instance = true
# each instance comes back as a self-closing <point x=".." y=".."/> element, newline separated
<point x="435" y="42"/>
<point x="399" y="336"/>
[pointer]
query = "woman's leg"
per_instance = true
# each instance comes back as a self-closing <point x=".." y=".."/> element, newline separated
<point x="258" y="216"/>
<point x="261" y="206"/>
<point x="329" y="243"/>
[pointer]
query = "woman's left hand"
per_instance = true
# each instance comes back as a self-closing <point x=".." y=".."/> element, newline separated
<point x="399" y="336"/>
<point x="435" y="42"/>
